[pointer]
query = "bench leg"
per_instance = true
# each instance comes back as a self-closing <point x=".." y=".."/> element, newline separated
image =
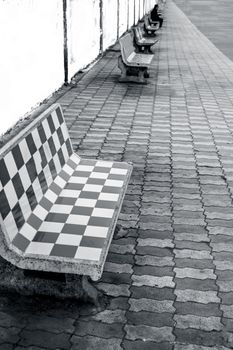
<point x="134" y="75"/>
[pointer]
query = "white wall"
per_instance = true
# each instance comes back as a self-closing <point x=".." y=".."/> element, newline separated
<point x="123" y="16"/>
<point x="32" y="39"/>
<point x="83" y="33"/>
<point x="109" y="22"/>
<point x="31" y="60"/>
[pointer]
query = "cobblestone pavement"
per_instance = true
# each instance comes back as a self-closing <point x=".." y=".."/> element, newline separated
<point x="169" y="272"/>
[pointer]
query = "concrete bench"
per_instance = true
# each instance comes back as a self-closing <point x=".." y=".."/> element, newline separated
<point x="58" y="211"/>
<point x="143" y="44"/>
<point x="149" y="28"/>
<point x="134" y="66"/>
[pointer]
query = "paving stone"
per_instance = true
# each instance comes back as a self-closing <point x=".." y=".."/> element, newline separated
<point x="194" y="273"/>
<point x="99" y="329"/>
<point x="198" y="296"/>
<point x="150" y="318"/>
<point x="146" y="345"/>
<point x="194" y="308"/>
<point x="154" y="260"/>
<point x="198" y="347"/>
<point x="114" y="290"/>
<point x="165" y="293"/>
<point x="195" y="284"/>
<point x="115" y="278"/>
<point x="145" y="304"/>
<point x="154" y="271"/>
<point x="118" y="268"/>
<point x="45" y="339"/>
<point x="93" y="343"/>
<point x="193" y="254"/>
<point x="110" y="316"/>
<point x="153" y="281"/>
<point x="51" y="324"/>
<point x="209" y="323"/>
<point x="147" y="333"/>
<point x="199" y="337"/>
<point x="153" y="242"/>
<point x="195" y="263"/>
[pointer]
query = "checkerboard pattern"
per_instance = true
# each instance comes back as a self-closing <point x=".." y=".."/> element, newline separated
<point x="54" y="204"/>
<point x="29" y="168"/>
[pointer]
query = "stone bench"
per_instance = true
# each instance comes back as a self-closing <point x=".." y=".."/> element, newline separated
<point x="150" y="29"/>
<point x="58" y="211"/>
<point x="143" y="44"/>
<point x="134" y="66"/>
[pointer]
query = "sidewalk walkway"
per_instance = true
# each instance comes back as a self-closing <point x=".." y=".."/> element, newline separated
<point x="169" y="273"/>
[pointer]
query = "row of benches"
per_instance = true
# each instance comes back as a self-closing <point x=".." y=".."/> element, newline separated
<point x="58" y="212"/>
<point x="136" y="54"/>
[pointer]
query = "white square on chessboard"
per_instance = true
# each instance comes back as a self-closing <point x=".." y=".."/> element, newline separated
<point x="46" y="128"/>
<point x="37" y="189"/>
<point x="24" y="177"/>
<point x="87" y="253"/>
<point x="65" y="152"/>
<point x="96" y="231"/>
<point x="78" y="219"/>
<point x="47" y="151"/>
<point x="10" y="164"/>
<point x="48" y="175"/>
<point x="25" y="206"/>
<point x="88" y="168"/>
<point x="36" y="138"/>
<point x="75" y="158"/>
<point x="51" y="196"/>
<point x="10" y="226"/>
<point x="56" y="141"/>
<point x="57" y="163"/>
<point x="78" y="180"/>
<point x="60" y="181"/>
<point x="68" y="169"/>
<point x="61" y="208"/>
<point x="28" y="231"/>
<point x="11" y="194"/>
<point x="48" y="226"/>
<point x="95" y="175"/>
<point x="24" y="151"/>
<point x="70" y="193"/>
<point x="118" y="171"/>
<point x="102" y="212"/>
<point x="68" y="239"/>
<point x="92" y="188"/>
<point x="55" y="120"/>
<point x="39" y="248"/>
<point x="37" y="159"/>
<point x="40" y="212"/>
<point x="104" y="164"/>
<point x="64" y="131"/>
<point x="108" y="197"/>
<point x="85" y="202"/>
<point x="114" y="183"/>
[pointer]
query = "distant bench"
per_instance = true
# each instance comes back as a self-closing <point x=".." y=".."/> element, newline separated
<point x="58" y="211"/>
<point x="150" y="29"/>
<point x="134" y="66"/>
<point x="144" y="44"/>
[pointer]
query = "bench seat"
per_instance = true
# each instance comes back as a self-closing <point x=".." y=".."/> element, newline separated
<point x="143" y="44"/>
<point x="58" y="211"/>
<point x="133" y="65"/>
<point x="140" y="59"/>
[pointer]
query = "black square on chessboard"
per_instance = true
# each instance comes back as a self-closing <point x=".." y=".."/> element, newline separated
<point x="31" y="169"/>
<point x="18" y="157"/>
<point x="42" y="134"/>
<point x="52" y="146"/>
<point x="4" y="205"/>
<point x="18" y="216"/>
<point x="46" y="237"/>
<point x="51" y="124"/>
<point x="31" y="197"/>
<point x="4" y="175"/>
<point x="17" y="183"/>
<point x="63" y="250"/>
<point x="31" y="144"/>
<point x="60" y="136"/>
<point x="61" y="157"/>
<point x="43" y="182"/>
